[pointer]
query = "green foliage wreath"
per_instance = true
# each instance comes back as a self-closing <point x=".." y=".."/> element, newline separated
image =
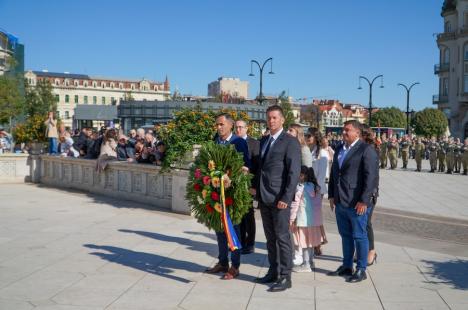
<point x="213" y="165"/>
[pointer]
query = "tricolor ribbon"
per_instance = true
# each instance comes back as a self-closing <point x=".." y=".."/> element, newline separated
<point x="233" y="240"/>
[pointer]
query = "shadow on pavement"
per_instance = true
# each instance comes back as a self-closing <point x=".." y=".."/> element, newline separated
<point x="211" y="249"/>
<point x="451" y="272"/>
<point x="151" y="263"/>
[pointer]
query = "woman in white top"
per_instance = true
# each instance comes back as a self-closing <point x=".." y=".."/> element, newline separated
<point x="320" y="164"/>
<point x="330" y="153"/>
<point x="296" y="130"/>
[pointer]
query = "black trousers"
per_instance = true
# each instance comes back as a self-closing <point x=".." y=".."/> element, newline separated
<point x="279" y="246"/>
<point x="247" y="229"/>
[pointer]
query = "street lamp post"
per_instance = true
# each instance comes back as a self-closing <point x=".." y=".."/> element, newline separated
<point x="370" y="92"/>
<point x="260" y="67"/>
<point x="408" y="89"/>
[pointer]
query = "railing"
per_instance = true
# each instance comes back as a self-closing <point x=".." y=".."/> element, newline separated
<point x="441" y="68"/>
<point x="129" y="181"/>
<point x="438" y="99"/>
<point x="444" y="36"/>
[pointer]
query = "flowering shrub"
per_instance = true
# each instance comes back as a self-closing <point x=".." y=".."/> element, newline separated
<point x="190" y="127"/>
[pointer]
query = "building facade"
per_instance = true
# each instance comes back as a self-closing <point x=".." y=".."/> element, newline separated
<point x="229" y="86"/>
<point x="72" y="90"/>
<point x="135" y="114"/>
<point x="11" y="55"/>
<point x="452" y="68"/>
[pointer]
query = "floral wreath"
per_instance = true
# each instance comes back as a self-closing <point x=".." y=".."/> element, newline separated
<point x="217" y="187"/>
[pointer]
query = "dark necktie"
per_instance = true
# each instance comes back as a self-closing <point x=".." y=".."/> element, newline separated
<point x="267" y="148"/>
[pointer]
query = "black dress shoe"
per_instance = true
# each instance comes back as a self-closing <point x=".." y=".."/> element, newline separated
<point x="248" y="250"/>
<point x="342" y="271"/>
<point x="282" y="284"/>
<point x="268" y="278"/>
<point x="357" y="276"/>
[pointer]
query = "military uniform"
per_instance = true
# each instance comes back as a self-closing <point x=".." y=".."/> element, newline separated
<point x="405" y="147"/>
<point x="433" y="148"/>
<point x="450" y="156"/>
<point x="441" y="155"/>
<point x="419" y="150"/>
<point x="392" y="149"/>
<point x="464" y="150"/>
<point x="458" y="157"/>
<point x="383" y="155"/>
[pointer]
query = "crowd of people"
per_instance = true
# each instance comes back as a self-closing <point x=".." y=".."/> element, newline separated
<point x="105" y="145"/>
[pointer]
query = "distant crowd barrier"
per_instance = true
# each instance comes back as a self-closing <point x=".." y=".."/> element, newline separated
<point x="132" y="182"/>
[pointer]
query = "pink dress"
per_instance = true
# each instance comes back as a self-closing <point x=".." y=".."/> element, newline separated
<point x="306" y="211"/>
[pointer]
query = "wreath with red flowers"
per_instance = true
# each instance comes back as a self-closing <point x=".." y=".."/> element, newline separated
<point x="215" y="164"/>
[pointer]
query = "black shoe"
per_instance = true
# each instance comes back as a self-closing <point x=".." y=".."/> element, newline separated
<point x="248" y="250"/>
<point x="282" y="284"/>
<point x="341" y="272"/>
<point x="268" y="278"/>
<point x="357" y="276"/>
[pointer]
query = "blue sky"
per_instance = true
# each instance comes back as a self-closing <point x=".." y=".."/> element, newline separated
<point x="319" y="47"/>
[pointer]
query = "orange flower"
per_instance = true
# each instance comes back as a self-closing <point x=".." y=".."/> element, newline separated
<point x="217" y="207"/>
<point x="211" y="165"/>
<point x="215" y="182"/>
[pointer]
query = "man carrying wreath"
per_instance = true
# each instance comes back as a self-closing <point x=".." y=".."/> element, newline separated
<point x="224" y="136"/>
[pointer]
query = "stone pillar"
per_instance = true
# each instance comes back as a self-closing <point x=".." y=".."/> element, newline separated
<point x="35" y="167"/>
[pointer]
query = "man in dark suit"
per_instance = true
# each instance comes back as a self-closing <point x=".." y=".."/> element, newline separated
<point x="247" y="226"/>
<point x="353" y="179"/>
<point x="224" y="136"/>
<point x="276" y="181"/>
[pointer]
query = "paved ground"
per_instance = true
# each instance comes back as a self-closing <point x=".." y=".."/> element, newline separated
<point x="423" y="192"/>
<point x="62" y="250"/>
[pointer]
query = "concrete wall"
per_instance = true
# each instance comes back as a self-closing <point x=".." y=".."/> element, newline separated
<point x="134" y="182"/>
<point x="14" y="168"/>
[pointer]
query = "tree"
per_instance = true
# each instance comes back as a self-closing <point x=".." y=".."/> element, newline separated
<point x="310" y="114"/>
<point x="285" y="104"/>
<point x="40" y="99"/>
<point x="389" y="117"/>
<point x="128" y="96"/>
<point x="430" y="122"/>
<point x="11" y="101"/>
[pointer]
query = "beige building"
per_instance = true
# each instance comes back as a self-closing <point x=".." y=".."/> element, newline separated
<point x="233" y="87"/>
<point x="452" y="68"/>
<point x="79" y="89"/>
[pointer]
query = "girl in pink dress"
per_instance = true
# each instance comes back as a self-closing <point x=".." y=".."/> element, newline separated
<point x="306" y="218"/>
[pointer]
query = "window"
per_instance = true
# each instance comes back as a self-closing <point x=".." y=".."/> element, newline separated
<point x="85" y="84"/>
<point x="103" y="84"/>
<point x="103" y="100"/>
<point x="94" y="84"/>
<point x="85" y="99"/>
<point x="112" y="100"/>
<point x="57" y="98"/>
<point x="94" y="100"/>
<point x="76" y="98"/>
<point x="57" y="82"/>
<point x="67" y="115"/>
<point x="132" y="87"/>
<point x="75" y="83"/>
<point x="445" y="86"/>
<point x="120" y="85"/>
<point x="112" y="85"/>
<point x="446" y="56"/>
<point x="67" y="99"/>
<point x="67" y="83"/>
<point x="448" y="27"/>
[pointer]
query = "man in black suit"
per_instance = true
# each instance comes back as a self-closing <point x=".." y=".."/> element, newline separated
<point x="353" y="179"/>
<point x="247" y="226"/>
<point x="276" y="181"/>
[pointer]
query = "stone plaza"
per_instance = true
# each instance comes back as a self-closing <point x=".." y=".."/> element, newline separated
<point x="70" y="249"/>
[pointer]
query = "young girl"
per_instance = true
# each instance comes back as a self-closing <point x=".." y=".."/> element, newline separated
<point x="306" y="218"/>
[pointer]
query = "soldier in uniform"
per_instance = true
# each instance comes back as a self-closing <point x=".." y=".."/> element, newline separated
<point x="405" y="148"/>
<point x="392" y="149"/>
<point x="383" y="152"/>
<point x="450" y="155"/>
<point x="433" y="148"/>
<point x="441" y="154"/>
<point x="458" y="155"/>
<point x="419" y="150"/>
<point x="465" y="157"/>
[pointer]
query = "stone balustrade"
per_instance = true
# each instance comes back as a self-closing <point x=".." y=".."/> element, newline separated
<point x="14" y="168"/>
<point x="129" y="181"/>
